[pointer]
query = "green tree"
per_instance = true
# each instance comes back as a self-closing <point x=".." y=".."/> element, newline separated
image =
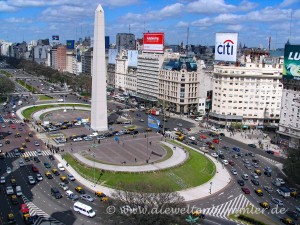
<point x="291" y="165"/>
<point x="6" y="86"/>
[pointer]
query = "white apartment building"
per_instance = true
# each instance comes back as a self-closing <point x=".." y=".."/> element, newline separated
<point x="289" y="125"/>
<point x="4" y="47"/>
<point x="249" y="93"/>
<point x="148" y="68"/>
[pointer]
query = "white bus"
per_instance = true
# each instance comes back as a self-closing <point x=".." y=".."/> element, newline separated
<point x="84" y="209"/>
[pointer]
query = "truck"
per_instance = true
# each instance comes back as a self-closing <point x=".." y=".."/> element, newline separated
<point x="154" y="112"/>
<point x="284" y="192"/>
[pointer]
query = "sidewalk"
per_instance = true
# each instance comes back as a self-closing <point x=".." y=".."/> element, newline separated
<point x="221" y="179"/>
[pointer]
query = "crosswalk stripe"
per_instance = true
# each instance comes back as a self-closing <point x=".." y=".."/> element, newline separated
<point x="15" y="121"/>
<point x="29" y="153"/>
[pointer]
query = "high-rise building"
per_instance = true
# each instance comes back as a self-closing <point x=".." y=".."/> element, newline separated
<point x="125" y="41"/>
<point x="58" y="57"/>
<point x="86" y="59"/>
<point x="107" y="42"/>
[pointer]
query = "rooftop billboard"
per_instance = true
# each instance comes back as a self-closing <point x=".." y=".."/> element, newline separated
<point x="226" y="46"/>
<point x="132" y="58"/>
<point x="55" y="37"/>
<point x="291" y="68"/>
<point x="70" y="44"/>
<point x="153" y="42"/>
<point x="112" y="55"/>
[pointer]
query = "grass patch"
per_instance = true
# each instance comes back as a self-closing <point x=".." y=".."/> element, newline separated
<point x="6" y="73"/>
<point x="29" y="111"/>
<point x="251" y="212"/>
<point x="197" y="170"/>
<point x="45" y="97"/>
<point x="27" y="86"/>
<point x="85" y="94"/>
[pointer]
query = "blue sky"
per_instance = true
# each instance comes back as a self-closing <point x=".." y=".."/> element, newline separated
<point x="254" y="20"/>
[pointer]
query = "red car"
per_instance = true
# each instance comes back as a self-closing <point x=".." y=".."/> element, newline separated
<point x="35" y="169"/>
<point x="231" y="163"/>
<point x="13" y="126"/>
<point x="203" y="136"/>
<point x="217" y="141"/>
<point x="24" y="208"/>
<point x="246" y="190"/>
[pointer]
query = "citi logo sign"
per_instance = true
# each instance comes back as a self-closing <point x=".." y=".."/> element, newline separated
<point x="226" y="48"/>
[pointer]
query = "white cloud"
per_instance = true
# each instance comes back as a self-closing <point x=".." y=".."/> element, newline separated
<point x="4" y="7"/>
<point x="209" y="7"/>
<point x="182" y="24"/>
<point x="119" y="3"/>
<point x="227" y="18"/>
<point x="18" y="20"/>
<point x="269" y="14"/>
<point x="205" y="22"/>
<point x="246" y="5"/>
<point x="286" y="3"/>
<point x="234" y="27"/>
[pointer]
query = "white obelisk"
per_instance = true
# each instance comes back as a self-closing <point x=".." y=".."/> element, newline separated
<point x="99" y="102"/>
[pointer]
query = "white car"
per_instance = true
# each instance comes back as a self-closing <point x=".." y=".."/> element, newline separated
<point x="277" y="201"/>
<point x="95" y="134"/>
<point x="8" y="170"/>
<point x="31" y="180"/>
<point x="254" y="175"/>
<point x="179" y="124"/>
<point x="280" y="180"/>
<point x="39" y="152"/>
<point x="9" y="190"/>
<point x="168" y="132"/>
<point x="214" y="155"/>
<point x="199" y="119"/>
<point x="87" y="197"/>
<point x="21" y="163"/>
<point x="36" y="143"/>
<point x="225" y="162"/>
<point x="77" y="139"/>
<point x="71" y="177"/>
<point x="60" y="167"/>
<point x="2" y="180"/>
<point x="63" y="186"/>
<point x="60" y="100"/>
<point x="192" y="138"/>
<point x="233" y="171"/>
<point x="39" y="177"/>
<point x="71" y="195"/>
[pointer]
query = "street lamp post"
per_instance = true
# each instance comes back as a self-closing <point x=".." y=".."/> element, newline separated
<point x="93" y="154"/>
<point x="210" y="187"/>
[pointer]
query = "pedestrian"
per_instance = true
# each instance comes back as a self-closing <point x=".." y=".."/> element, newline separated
<point x="150" y="142"/>
<point x="89" y="150"/>
<point x="98" y="141"/>
<point x="135" y="159"/>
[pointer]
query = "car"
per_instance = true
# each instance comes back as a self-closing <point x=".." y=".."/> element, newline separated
<point x="100" y="137"/>
<point x="9" y="190"/>
<point x="24" y="208"/>
<point x="255" y="165"/>
<point x="71" y="195"/>
<point x="240" y="154"/>
<point x="13" y="126"/>
<point x="294" y="215"/>
<point x="246" y="190"/>
<point x="14" y="200"/>
<point x="255" y="182"/>
<point x="36" y="159"/>
<point x="268" y="189"/>
<point x="252" y="145"/>
<point x="55" y="192"/>
<point x="192" y="138"/>
<point x="221" y="156"/>
<point x="233" y="171"/>
<point x="259" y="192"/>
<point x="255" y="160"/>
<point x="212" y="147"/>
<point x="13" y="182"/>
<point x="231" y="163"/>
<point x="36" y="143"/>
<point x="88" y="138"/>
<point x="141" y="120"/>
<point x="280" y="180"/>
<point x="34" y="169"/>
<point x="270" y="152"/>
<point x="11" y="218"/>
<point x="179" y="124"/>
<point x="265" y="205"/>
<point x="17" y="152"/>
<point x="194" y="142"/>
<point x="39" y="177"/>
<point x="60" y="100"/>
<point x="298" y="208"/>
<point x="248" y="166"/>
<point x="80" y="190"/>
<point x="269" y="169"/>
<point x="71" y="177"/>
<point x="31" y="180"/>
<point x="241" y="182"/>
<point x="39" y="152"/>
<point x="47" y="165"/>
<point x="77" y="139"/>
<point x="236" y="149"/>
<point x="225" y="162"/>
<point x="100" y="194"/>
<point x="246" y="161"/>
<point x="277" y="201"/>
<point x="287" y="221"/>
<point x="251" y="154"/>
<point x="2" y="180"/>
<point x="268" y="174"/>
<point x="3" y="125"/>
<point x="254" y="175"/>
<point x="87" y="197"/>
<point x="245" y="176"/>
<point x="214" y="155"/>
<point x="48" y="175"/>
<point x="63" y="186"/>
<point x="21" y="163"/>
<point x="217" y="141"/>
<point x="55" y="172"/>
<point x="8" y="170"/>
<point x="225" y="147"/>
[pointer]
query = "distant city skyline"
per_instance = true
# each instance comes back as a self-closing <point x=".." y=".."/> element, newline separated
<point x="255" y="21"/>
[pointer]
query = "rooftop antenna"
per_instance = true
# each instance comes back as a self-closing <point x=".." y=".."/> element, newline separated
<point x="129" y="28"/>
<point x="291" y="24"/>
<point x="144" y="27"/>
<point x="187" y="39"/>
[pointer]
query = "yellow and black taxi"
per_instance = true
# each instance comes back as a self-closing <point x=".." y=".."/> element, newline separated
<point x="212" y="147"/>
<point x="180" y="138"/>
<point x="14" y="200"/>
<point x="55" y="172"/>
<point x="287" y="221"/>
<point x="11" y="218"/>
<point x="265" y="205"/>
<point x="23" y="145"/>
<point x="100" y="194"/>
<point x="30" y="134"/>
<point x="148" y="129"/>
<point x="26" y="158"/>
<point x="64" y="179"/>
<point x="48" y="175"/>
<point x="80" y="190"/>
<point x="258" y="172"/>
<point x="259" y="192"/>
<point x="198" y="214"/>
<point x="13" y="182"/>
<point x="178" y="132"/>
<point x="294" y="193"/>
<point x="131" y="129"/>
<point x="22" y="150"/>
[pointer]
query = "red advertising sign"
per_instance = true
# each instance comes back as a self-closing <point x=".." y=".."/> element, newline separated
<point x="153" y="42"/>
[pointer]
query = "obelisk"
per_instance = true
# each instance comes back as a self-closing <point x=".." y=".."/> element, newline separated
<point x="99" y="102"/>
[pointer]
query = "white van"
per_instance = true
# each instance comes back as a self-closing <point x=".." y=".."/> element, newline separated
<point x="19" y="191"/>
<point x="84" y="209"/>
<point x="60" y="167"/>
<point x="20" y="103"/>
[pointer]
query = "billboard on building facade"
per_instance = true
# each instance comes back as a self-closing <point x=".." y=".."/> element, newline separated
<point x="226" y="46"/>
<point x="132" y="58"/>
<point x="112" y="55"/>
<point x="70" y="44"/>
<point x="291" y="68"/>
<point x="153" y="42"/>
<point x="55" y="37"/>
